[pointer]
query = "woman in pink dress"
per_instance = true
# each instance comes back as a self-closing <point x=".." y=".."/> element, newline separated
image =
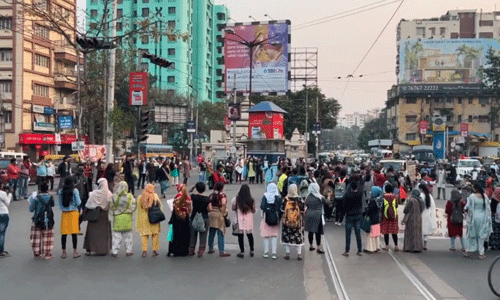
<point x="271" y="213"/>
<point x="244" y="206"/>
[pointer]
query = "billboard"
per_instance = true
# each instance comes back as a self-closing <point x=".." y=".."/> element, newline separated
<point x="270" y="60"/>
<point x="93" y="153"/>
<point x="138" y="87"/>
<point x="65" y="122"/>
<point x="171" y="114"/>
<point x="442" y="61"/>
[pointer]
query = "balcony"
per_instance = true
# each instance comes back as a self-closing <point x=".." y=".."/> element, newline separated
<point x="63" y="51"/>
<point x="65" y="80"/>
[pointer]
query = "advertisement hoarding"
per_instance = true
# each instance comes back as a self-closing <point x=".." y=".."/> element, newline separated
<point x="65" y="122"/>
<point x="271" y="59"/>
<point x="442" y="61"/>
<point x="464" y="129"/>
<point x="138" y="88"/>
<point x="93" y="153"/>
<point x="422" y="127"/>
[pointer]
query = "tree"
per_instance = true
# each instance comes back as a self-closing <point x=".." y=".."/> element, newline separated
<point x="375" y="129"/>
<point x="490" y="79"/>
<point x="211" y="117"/>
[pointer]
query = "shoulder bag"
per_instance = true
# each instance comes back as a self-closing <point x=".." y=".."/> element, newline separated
<point x="92" y="215"/>
<point x="155" y="215"/>
<point x="236" y="226"/>
<point x="123" y="222"/>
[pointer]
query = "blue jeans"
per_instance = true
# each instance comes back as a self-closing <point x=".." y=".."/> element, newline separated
<point x="220" y="238"/>
<point x="13" y="185"/>
<point x="202" y="176"/>
<point x="4" y="222"/>
<point x="23" y="187"/>
<point x="352" y="222"/>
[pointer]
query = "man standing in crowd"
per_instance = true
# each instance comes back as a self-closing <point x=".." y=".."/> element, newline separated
<point x="24" y="177"/>
<point x="202" y="169"/>
<point x="186" y="169"/>
<point x="64" y="169"/>
<point x="13" y="175"/>
<point x="81" y="184"/>
<point x="142" y="174"/>
<point x="352" y="207"/>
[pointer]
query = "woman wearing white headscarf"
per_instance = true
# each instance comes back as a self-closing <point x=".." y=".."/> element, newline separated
<point x="314" y="217"/>
<point x="98" y="234"/>
<point x="271" y="213"/>
<point x="292" y="230"/>
<point x="122" y="208"/>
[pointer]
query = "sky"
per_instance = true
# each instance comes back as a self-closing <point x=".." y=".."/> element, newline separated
<point x="342" y="43"/>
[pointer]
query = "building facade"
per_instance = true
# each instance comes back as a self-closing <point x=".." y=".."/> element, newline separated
<point x="37" y="78"/>
<point x="440" y="78"/>
<point x="189" y="40"/>
<point x="357" y="119"/>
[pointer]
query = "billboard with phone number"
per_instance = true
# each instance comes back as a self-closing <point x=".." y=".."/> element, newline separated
<point x="271" y="59"/>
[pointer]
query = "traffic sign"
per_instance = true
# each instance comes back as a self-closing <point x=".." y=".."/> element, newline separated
<point x="78" y="146"/>
<point x="233" y="149"/>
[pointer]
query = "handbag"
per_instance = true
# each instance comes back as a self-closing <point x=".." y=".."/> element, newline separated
<point x="366" y="224"/>
<point x="198" y="223"/>
<point x="155" y="215"/>
<point x="122" y="222"/>
<point x="236" y="226"/>
<point x="227" y="221"/>
<point x="92" y="215"/>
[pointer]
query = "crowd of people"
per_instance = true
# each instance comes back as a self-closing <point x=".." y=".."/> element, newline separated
<point x="303" y="198"/>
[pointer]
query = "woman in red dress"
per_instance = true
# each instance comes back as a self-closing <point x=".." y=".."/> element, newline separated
<point x="389" y="224"/>
<point x="455" y="229"/>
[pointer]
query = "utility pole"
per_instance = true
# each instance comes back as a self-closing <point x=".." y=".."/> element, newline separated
<point x="192" y="118"/>
<point x="306" y="131"/>
<point x="317" y="133"/>
<point x="234" y="121"/>
<point x="111" y="88"/>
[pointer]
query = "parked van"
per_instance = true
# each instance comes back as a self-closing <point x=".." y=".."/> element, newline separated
<point x="16" y="155"/>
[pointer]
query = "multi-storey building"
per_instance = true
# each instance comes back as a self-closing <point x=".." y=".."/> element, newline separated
<point x="37" y="76"/>
<point x="189" y="39"/>
<point x="437" y="67"/>
<point x="357" y="119"/>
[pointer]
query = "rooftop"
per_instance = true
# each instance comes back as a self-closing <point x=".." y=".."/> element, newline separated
<point x="267" y="106"/>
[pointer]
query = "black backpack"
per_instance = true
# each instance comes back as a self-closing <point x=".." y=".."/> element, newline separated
<point x="40" y="216"/>
<point x="272" y="214"/>
<point x="457" y="216"/>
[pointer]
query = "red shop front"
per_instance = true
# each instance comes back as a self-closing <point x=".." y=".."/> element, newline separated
<point x="41" y="144"/>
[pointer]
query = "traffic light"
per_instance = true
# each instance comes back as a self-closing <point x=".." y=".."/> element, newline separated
<point x="157" y="60"/>
<point x="93" y="43"/>
<point x="144" y="126"/>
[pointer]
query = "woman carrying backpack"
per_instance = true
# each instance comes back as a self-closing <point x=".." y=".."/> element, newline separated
<point x="494" y="241"/>
<point x="201" y="207"/>
<point x="69" y="203"/>
<point x="244" y="207"/>
<point x="454" y="210"/>
<point x="292" y="233"/>
<point x="429" y="224"/>
<point x="271" y="215"/>
<point x="314" y="217"/>
<point x="42" y="229"/>
<point x="389" y="224"/>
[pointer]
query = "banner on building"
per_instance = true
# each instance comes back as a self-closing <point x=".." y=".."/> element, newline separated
<point x="270" y="59"/>
<point x="93" y="153"/>
<point x="138" y="88"/>
<point x="438" y="144"/>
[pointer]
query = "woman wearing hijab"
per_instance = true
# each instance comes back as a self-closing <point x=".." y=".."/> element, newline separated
<point x="179" y="246"/>
<point x="429" y="224"/>
<point x="122" y="208"/>
<point x="373" y="208"/>
<point x="69" y="203"/>
<point x="292" y="232"/>
<point x="98" y="236"/>
<point x="244" y="207"/>
<point x="478" y="221"/>
<point x="146" y="200"/>
<point x="494" y="241"/>
<point x="270" y="204"/>
<point x="414" y="206"/>
<point x="455" y="229"/>
<point x="314" y="217"/>
<point x="216" y="218"/>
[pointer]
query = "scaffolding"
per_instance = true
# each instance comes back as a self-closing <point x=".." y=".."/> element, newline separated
<point x="304" y="67"/>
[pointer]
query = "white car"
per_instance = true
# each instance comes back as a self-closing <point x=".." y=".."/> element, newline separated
<point x="467" y="166"/>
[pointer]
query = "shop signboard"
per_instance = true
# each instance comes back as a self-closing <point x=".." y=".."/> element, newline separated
<point x="65" y="122"/>
<point x="43" y="126"/>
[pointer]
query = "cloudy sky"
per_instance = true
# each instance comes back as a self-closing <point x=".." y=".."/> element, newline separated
<point x="342" y="43"/>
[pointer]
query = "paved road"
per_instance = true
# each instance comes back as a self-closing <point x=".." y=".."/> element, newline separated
<point x="150" y="278"/>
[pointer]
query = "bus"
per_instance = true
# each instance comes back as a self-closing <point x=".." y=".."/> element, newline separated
<point x="157" y="150"/>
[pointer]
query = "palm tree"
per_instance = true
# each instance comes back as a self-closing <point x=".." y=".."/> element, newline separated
<point x="468" y="54"/>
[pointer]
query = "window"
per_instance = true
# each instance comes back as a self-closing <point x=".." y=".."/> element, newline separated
<point x="496" y="137"/>
<point x="8" y="116"/>
<point x="93" y="13"/>
<point x="5" y="86"/>
<point x="427" y="101"/>
<point x="119" y="1"/>
<point x="449" y="118"/>
<point x="42" y="61"/>
<point x="119" y="13"/>
<point x="170" y="92"/>
<point x="483" y="119"/>
<point x="459" y="118"/>
<point x="411" y="100"/>
<point x="469" y="119"/>
<point x="145" y="12"/>
<point x="410" y="119"/>
<point x="5" y="55"/>
<point x="145" y="1"/>
<point x="6" y="23"/>
<point x="411" y="136"/>
<point x="421" y="31"/>
<point x="171" y="79"/>
<point x="454" y="35"/>
<point x="171" y="10"/>
<point x="93" y="1"/>
<point x="171" y="24"/>
<point x="471" y="101"/>
<point x="442" y="30"/>
<point x="433" y="30"/>
<point x="484" y="101"/>
<point x="41" y="4"/>
<point x="486" y="35"/>
<point x="134" y="14"/>
<point x="145" y="39"/>
<point x="486" y="23"/>
<point x="171" y="51"/>
<point x="459" y="99"/>
<point x="41" y="90"/>
<point x="93" y="26"/>
<point x="41" y="31"/>
<point x="221" y="16"/>
<point x="119" y="26"/>
<point x="427" y="118"/>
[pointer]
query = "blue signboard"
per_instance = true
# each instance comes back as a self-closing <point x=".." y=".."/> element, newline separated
<point x="48" y="110"/>
<point x="65" y="122"/>
<point x="438" y="144"/>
